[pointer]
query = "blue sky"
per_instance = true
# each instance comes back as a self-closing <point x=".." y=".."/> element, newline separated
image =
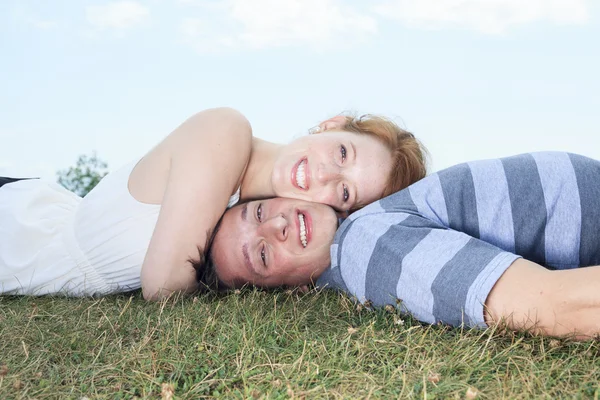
<point x="471" y="78"/>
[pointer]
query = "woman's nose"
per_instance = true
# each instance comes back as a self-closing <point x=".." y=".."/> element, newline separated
<point x="276" y="227"/>
<point x="327" y="173"/>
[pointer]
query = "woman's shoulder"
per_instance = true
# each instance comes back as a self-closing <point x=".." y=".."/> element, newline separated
<point x="230" y="113"/>
<point x="225" y="119"/>
<point x="224" y="129"/>
<point x="217" y="135"/>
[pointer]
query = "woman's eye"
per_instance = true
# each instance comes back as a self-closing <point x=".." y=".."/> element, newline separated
<point x="343" y="151"/>
<point x="263" y="256"/>
<point x="346" y="194"/>
<point x="259" y="212"/>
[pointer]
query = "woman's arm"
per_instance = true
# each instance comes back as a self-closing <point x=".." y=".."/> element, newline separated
<point x="555" y="303"/>
<point x="208" y="155"/>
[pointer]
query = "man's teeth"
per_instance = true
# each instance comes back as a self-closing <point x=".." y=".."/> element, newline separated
<point x="302" y="230"/>
<point x="300" y="176"/>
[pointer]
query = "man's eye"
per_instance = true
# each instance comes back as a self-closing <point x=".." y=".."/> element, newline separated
<point x="346" y="194"/>
<point x="343" y="151"/>
<point x="263" y="257"/>
<point x="259" y="212"/>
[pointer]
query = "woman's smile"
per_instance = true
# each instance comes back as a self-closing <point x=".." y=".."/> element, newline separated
<point x="300" y="174"/>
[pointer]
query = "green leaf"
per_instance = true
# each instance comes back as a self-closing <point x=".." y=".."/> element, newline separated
<point x="84" y="176"/>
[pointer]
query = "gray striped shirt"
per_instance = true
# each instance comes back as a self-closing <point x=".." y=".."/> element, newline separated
<point x="441" y="244"/>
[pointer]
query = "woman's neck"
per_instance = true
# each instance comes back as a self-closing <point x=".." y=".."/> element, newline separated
<point x="257" y="182"/>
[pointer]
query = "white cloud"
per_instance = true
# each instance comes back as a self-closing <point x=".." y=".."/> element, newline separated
<point x="274" y="23"/>
<point x="190" y="2"/>
<point x="192" y="27"/>
<point x="118" y="15"/>
<point x="204" y="35"/>
<point x="280" y="22"/>
<point x="487" y="16"/>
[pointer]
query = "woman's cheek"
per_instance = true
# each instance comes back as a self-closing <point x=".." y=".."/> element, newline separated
<point x="325" y="197"/>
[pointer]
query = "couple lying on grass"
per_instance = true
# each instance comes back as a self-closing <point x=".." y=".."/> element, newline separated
<point x="481" y="243"/>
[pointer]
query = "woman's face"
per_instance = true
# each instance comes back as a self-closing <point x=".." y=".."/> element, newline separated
<point x="342" y="169"/>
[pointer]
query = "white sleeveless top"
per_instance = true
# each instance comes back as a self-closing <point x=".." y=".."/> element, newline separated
<point x="53" y="241"/>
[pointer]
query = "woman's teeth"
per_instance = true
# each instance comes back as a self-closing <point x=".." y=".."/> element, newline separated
<point x="302" y="230"/>
<point x="300" y="176"/>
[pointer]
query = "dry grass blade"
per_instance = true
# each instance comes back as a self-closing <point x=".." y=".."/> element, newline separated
<point x="256" y="344"/>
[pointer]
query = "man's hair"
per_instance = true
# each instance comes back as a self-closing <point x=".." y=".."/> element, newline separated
<point x="206" y="272"/>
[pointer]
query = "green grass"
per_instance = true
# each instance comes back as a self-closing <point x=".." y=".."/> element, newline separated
<point x="274" y="345"/>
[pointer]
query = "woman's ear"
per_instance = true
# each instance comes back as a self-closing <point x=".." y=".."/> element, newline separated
<point x="332" y="124"/>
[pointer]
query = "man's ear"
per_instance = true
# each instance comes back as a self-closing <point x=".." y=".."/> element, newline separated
<point x="332" y="124"/>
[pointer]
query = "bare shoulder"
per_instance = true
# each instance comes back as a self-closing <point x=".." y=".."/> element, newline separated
<point x="209" y="137"/>
<point x="221" y="122"/>
<point x="219" y="136"/>
<point x="231" y="114"/>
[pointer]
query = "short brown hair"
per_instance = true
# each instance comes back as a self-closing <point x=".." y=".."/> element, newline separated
<point x="206" y="272"/>
<point x="409" y="156"/>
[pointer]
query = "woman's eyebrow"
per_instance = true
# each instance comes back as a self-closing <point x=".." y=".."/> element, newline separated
<point x="353" y="151"/>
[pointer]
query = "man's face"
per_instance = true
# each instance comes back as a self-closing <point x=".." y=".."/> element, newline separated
<point x="274" y="242"/>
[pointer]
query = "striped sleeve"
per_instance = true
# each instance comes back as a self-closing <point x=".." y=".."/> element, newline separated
<point x="542" y="206"/>
<point x="440" y="275"/>
<point x="441" y="244"/>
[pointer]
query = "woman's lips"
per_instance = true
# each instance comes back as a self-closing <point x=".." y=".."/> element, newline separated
<point x="294" y="174"/>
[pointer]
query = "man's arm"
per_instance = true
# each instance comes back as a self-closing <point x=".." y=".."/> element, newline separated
<point x="439" y="274"/>
<point x="556" y="303"/>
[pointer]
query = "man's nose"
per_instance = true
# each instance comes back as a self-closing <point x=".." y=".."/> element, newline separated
<point x="276" y="227"/>
<point x="327" y="173"/>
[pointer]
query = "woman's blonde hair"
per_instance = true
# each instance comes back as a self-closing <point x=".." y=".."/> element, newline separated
<point x="409" y="156"/>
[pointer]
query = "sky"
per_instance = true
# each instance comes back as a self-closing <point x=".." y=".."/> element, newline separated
<point x="472" y="79"/>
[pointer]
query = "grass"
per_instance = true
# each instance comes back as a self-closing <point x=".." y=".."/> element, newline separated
<point x="271" y="345"/>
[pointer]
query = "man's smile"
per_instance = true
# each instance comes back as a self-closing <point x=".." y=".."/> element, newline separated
<point x="304" y="224"/>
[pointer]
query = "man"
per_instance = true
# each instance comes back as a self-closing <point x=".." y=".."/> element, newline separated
<point x="449" y="246"/>
<point x="263" y="243"/>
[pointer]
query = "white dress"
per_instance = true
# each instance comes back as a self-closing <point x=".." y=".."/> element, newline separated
<point x="52" y="241"/>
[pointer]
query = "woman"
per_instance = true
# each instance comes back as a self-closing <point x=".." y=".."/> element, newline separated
<point x="148" y="223"/>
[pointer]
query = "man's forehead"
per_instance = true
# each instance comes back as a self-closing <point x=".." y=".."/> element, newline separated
<point x="233" y="245"/>
<point x="232" y="227"/>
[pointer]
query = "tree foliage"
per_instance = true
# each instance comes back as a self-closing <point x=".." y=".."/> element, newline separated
<point x="84" y="176"/>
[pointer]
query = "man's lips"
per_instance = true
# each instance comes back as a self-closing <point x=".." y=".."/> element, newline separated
<point x="308" y="224"/>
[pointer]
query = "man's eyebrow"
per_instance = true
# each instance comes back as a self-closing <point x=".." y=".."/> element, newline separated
<point x="247" y="257"/>
<point x="244" y="211"/>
